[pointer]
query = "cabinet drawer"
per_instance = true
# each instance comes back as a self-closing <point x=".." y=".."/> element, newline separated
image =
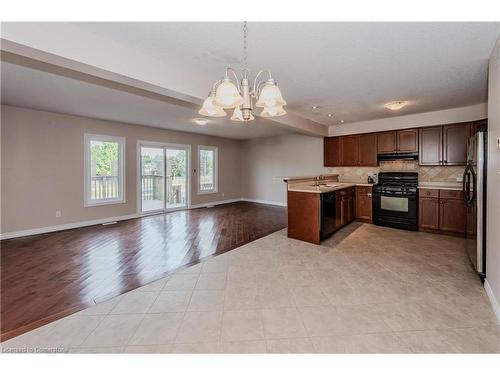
<point x="363" y="189"/>
<point x="451" y="194"/>
<point x="428" y="193"/>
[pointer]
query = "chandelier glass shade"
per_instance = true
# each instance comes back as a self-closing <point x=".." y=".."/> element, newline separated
<point x="227" y="95"/>
<point x="270" y="96"/>
<point x="234" y="91"/>
<point x="273" y="111"/>
<point x="210" y="109"/>
<point x="238" y="115"/>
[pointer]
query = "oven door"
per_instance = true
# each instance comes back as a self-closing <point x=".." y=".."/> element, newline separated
<point x="395" y="210"/>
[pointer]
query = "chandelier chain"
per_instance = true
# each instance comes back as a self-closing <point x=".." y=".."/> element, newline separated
<point x="245" y="44"/>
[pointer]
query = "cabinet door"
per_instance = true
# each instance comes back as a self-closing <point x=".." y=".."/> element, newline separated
<point x="430" y="146"/>
<point x="350" y="204"/>
<point x="345" y="210"/>
<point x="331" y="150"/>
<point x="363" y="203"/>
<point x="386" y="143"/>
<point x="455" y="139"/>
<point x="349" y="150"/>
<point x="407" y="140"/>
<point x="368" y="150"/>
<point x="452" y="215"/>
<point x="338" y="212"/>
<point x="428" y="213"/>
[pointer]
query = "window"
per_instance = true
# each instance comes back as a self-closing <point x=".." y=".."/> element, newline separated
<point x="104" y="170"/>
<point x="207" y="168"/>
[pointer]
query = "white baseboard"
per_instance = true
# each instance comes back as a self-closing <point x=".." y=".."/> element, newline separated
<point x="56" y="228"/>
<point x="493" y="300"/>
<point x="273" y="203"/>
<point x="201" y="205"/>
<point x="80" y="224"/>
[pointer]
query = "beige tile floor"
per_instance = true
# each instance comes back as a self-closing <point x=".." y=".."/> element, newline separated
<point x="366" y="289"/>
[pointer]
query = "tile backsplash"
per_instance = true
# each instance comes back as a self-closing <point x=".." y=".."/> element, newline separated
<point x="427" y="174"/>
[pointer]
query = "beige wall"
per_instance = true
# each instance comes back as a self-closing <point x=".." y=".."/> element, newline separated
<point x="266" y="160"/>
<point x="42" y="167"/>
<point x="493" y="206"/>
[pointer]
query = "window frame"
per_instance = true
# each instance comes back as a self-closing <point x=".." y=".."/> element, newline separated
<point x="88" y="202"/>
<point x="216" y="169"/>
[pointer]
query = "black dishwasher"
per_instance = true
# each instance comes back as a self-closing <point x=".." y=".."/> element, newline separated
<point x="327" y="214"/>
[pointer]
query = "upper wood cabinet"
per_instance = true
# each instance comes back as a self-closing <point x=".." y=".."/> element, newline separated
<point x="455" y="144"/>
<point x="349" y="150"/>
<point x="444" y="145"/>
<point x="331" y="149"/>
<point x="368" y="150"/>
<point x="436" y="145"/>
<point x="430" y="148"/>
<point x="386" y="142"/>
<point x="397" y="141"/>
<point x="407" y="140"/>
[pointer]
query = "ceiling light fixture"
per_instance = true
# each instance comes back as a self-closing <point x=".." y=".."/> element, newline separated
<point x="395" y="106"/>
<point x="232" y="92"/>
<point x="201" y="121"/>
<point x="330" y="115"/>
<point x="342" y="121"/>
<point x="315" y="107"/>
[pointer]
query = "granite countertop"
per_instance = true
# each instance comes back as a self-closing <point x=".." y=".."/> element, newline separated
<point x="308" y="187"/>
<point x="358" y="183"/>
<point x="298" y="178"/>
<point x="440" y="185"/>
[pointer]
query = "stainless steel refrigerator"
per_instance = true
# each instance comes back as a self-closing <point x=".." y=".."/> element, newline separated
<point x="474" y="188"/>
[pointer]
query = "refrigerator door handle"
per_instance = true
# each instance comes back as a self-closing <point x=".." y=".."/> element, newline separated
<point x="465" y="183"/>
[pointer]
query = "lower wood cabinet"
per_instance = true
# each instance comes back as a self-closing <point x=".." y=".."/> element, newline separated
<point x="364" y="203"/>
<point x="344" y="207"/>
<point x="305" y="217"/>
<point x="442" y="211"/>
<point x="428" y="213"/>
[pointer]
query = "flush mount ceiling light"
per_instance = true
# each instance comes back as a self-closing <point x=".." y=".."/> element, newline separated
<point x="395" y="106"/>
<point x="233" y="92"/>
<point x="201" y="121"/>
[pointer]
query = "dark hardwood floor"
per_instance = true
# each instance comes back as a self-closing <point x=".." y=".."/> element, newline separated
<point x="49" y="276"/>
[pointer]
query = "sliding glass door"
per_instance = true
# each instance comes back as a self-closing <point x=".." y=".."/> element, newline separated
<point x="164" y="177"/>
<point x="176" y="177"/>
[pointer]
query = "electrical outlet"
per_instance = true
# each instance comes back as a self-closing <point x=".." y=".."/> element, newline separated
<point x="58" y="213"/>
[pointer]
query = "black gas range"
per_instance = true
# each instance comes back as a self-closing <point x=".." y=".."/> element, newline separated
<point x="395" y="200"/>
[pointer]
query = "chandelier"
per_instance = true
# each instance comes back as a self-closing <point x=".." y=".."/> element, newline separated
<point x="231" y="92"/>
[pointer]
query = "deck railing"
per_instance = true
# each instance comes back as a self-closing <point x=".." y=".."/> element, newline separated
<point x="152" y="189"/>
<point x="104" y="187"/>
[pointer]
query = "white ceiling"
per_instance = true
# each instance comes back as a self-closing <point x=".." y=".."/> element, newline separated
<point x="349" y="69"/>
<point x="26" y="87"/>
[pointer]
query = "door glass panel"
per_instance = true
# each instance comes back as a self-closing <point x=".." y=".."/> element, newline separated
<point x="152" y="179"/>
<point x="176" y="178"/>
<point x="394" y="204"/>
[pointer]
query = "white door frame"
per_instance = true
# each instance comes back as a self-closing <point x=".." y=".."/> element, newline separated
<point x="187" y="148"/>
